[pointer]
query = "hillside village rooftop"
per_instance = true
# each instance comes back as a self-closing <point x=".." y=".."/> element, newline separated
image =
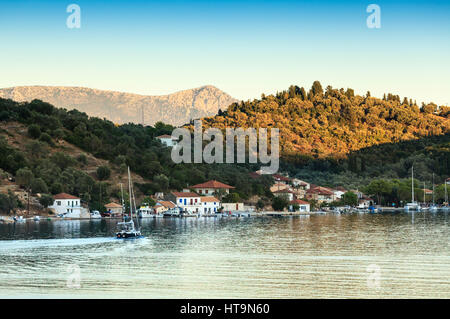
<point x="212" y="184"/>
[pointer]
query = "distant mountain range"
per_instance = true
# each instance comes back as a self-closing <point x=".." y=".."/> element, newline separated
<point x="176" y="109"/>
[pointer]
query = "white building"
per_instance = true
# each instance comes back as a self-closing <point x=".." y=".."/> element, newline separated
<point x="285" y="193"/>
<point x="67" y="205"/>
<point x="338" y="192"/>
<point x="188" y="201"/>
<point x="301" y="184"/>
<point x="210" y="205"/>
<point x="231" y="207"/>
<point x="168" y="140"/>
<point x="302" y="205"/>
<point x="211" y="187"/>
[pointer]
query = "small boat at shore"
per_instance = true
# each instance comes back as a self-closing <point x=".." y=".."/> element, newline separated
<point x="36" y="218"/>
<point x="95" y="214"/>
<point x="413" y="205"/>
<point x="19" y="219"/>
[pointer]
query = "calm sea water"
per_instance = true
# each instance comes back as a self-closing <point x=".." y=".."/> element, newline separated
<point x="328" y="256"/>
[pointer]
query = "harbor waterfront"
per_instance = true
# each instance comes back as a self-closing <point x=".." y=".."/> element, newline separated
<point x="389" y="255"/>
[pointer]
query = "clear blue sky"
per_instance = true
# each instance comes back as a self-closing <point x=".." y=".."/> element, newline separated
<point x="243" y="47"/>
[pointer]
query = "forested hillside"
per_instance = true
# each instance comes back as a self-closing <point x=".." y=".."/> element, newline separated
<point x="41" y="149"/>
<point x="334" y="122"/>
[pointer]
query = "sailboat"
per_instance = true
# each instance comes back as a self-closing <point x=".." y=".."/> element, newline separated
<point x="413" y="206"/>
<point x="433" y="207"/>
<point x="126" y="229"/>
<point x="445" y="206"/>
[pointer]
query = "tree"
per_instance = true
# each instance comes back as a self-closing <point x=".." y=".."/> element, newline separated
<point x="82" y="159"/>
<point x="162" y="181"/>
<point x="34" y="131"/>
<point x="38" y="185"/>
<point x="232" y="198"/>
<point x="103" y="173"/>
<point x="429" y="108"/>
<point x="317" y="89"/>
<point x="148" y="201"/>
<point x="8" y="203"/>
<point x="62" y="160"/>
<point x="46" y="200"/>
<point x="350" y="198"/>
<point x="260" y="204"/>
<point x="24" y="177"/>
<point x="279" y="203"/>
<point x="46" y="138"/>
<point x="379" y="188"/>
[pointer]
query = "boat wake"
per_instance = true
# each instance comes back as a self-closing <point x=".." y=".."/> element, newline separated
<point x="6" y="245"/>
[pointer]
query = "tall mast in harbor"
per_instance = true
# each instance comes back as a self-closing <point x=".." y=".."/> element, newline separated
<point x="129" y="190"/>
<point x="446" y="196"/>
<point x="412" y="184"/>
<point x="433" y="189"/>
<point x="424" y="192"/>
<point x="123" y="204"/>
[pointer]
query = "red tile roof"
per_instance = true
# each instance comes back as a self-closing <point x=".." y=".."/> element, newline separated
<point x="167" y="204"/>
<point x="113" y="205"/>
<point x="64" y="196"/>
<point x="164" y="136"/>
<point x="283" y="191"/>
<point x="212" y="184"/>
<point x="319" y="190"/>
<point x="281" y="177"/>
<point x="209" y="199"/>
<point x="299" y="201"/>
<point x="185" y="194"/>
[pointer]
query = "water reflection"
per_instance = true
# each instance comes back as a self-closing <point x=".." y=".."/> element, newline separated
<point x="319" y="256"/>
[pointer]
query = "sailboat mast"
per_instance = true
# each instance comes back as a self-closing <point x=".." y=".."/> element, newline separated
<point x="446" y="196"/>
<point x="123" y="204"/>
<point x="424" y="192"/>
<point x="129" y="190"/>
<point x="412" y="184"/>
<point x="134" y="205"/>
<point x="433" y="188"/>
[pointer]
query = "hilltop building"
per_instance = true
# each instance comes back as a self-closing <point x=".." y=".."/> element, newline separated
<point x="168" y="140"/>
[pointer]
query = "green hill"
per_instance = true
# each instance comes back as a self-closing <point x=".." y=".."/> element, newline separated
<point x="332" y="122"/>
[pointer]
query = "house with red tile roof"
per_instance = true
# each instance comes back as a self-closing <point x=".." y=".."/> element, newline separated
<point x="114" y="209"/>
<point x="303" y="206"/>
<point x="320" y="194"/>
<point x="210" y="204"/>
<point x="284" y="192"/>
<point x="281" y="178"/>
<point x="189" y="202"/>
<point x="66" y="205"/>
<point x="211" y="187"/>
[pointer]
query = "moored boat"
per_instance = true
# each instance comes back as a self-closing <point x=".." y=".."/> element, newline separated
<point x="95" y="214"/>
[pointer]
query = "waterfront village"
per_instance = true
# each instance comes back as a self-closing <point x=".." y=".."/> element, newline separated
<point x="205" y="199"/>
<point x="291" y="196"/>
